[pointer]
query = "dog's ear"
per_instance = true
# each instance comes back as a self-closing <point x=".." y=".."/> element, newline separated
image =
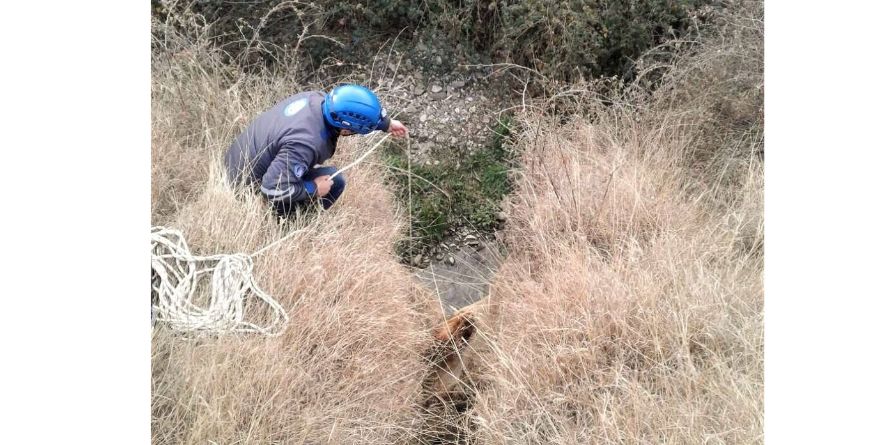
<point x="457" y="328"/>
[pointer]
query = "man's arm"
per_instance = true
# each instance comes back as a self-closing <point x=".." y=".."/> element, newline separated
<point x="397" y="128"/>
<point x="392" y="126"/>
<point x="283" y="182"/>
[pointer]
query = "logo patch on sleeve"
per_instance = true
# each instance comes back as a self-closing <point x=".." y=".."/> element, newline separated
<point x="299" y="170"/>
<point x="295" y="107"/>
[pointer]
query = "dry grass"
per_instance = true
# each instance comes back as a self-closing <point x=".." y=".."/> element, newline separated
<point x="631" y="312"/>
<point x="349" y="367"/>
<point x="629" y="309"/>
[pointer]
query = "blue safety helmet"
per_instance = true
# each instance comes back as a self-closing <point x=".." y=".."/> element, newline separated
<point x="355" y="108"/>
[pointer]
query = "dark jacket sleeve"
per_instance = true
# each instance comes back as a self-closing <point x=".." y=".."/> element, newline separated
<point x="385" y="122"/>
<point x="283" y="184"/>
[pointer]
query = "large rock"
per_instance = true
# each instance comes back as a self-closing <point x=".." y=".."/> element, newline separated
<point x="464" y="279"/>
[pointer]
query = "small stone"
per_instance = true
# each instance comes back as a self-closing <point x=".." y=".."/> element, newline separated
<point x="438" y="60"/>
<point x="439" y="257"/>
<point x="450" y="260"/>
<point x="470" y="237"/>
<point x="416" y="260"/>
<point x="418" y="90"/>
<point x="501" y="216"/>
<point x="457" y="84"/>
<point x="423" y="117"/>
<point x="437" y="162"/>
<point x="473" y="109"/>
<point x="436" y="88"/>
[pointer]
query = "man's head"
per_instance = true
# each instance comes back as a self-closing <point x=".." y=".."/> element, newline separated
<point x="354" y="109"/>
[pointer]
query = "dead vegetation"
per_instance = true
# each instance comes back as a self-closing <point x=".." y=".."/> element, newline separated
<point x="348" y="368"/>
<point x="629" y="308"/>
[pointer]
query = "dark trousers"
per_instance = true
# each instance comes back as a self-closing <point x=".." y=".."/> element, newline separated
<point x="338" y="187"/>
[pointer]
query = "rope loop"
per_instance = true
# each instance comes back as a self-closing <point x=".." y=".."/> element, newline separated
<point x="175" y="285"/>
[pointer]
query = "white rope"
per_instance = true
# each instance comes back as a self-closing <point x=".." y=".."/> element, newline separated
<point x="360" y="159"/>
<point x="175" y="275"/>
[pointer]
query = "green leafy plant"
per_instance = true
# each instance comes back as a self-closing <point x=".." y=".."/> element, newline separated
<point x="452" y="194"/>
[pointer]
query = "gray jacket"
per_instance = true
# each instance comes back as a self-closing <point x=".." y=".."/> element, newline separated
<point x="280" y="145"/>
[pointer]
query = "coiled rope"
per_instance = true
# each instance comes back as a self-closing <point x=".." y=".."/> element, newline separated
<point x="176" y="273"/>
<point x="175" y="276"/>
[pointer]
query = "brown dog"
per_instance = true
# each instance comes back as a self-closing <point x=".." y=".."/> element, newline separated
<point x="451" y="357"/>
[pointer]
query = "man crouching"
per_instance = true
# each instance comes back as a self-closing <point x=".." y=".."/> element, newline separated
<point x="280" y="151"/>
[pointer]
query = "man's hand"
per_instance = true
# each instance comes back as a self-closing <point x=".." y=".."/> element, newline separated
<point x="323" y="183"/>
<point x="397" y="128"/>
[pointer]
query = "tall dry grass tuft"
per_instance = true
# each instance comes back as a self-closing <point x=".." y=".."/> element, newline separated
<point x="629" y="312"/>
<point x="630" y="307"/>
<point x="349" y="366"/>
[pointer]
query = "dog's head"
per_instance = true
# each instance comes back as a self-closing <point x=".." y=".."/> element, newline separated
<point x="449" y="356"/>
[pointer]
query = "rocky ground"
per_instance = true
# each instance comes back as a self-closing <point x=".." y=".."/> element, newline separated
<point x="461" y="275"/>
<point x="452" y="111"/>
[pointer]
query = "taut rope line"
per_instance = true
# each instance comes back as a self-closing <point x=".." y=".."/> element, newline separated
<point x="360" y="159"/>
